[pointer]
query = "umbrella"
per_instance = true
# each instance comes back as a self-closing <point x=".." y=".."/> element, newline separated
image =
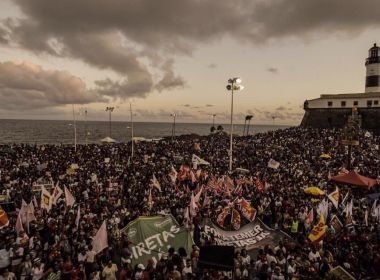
<point x="314" y="191"/>
<point x="325" y="156"/>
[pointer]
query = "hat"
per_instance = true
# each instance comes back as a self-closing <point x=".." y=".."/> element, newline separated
<point x="141" y="266"/>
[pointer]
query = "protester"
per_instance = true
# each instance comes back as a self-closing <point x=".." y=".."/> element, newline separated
<point x="61" y="236"/>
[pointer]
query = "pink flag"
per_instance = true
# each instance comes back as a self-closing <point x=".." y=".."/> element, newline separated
<point x="198" y="195"/>
<point x="19" y="226"/>
<point x="70" y="200"/>
<point x="100" y="240"/>
<point x="155" y="183"/>
<point x="193" y="206"/>
<point x="150" y="199"/>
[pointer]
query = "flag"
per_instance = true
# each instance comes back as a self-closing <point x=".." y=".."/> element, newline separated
<point x="260" y="185"/>
<point x="186" y="215"/>
<point x="329" y="176"/>
<point x="206" y="201"/>
<point x="155" y="183"/>
<point x="247" y="210"/>
<point x="373" y="208"/>
<point x="273" y="164"/>
<point x="366" y="217"/>
<point x="100" y="240"/>
<point x="334" y="197"/>
<point x="343" y="171"/>
<point x="228" y="183"/>
<point x="77" y="219"/>
<point x="4" y="221"/>
<point x="198" y="195"/>
<point x="193" y="206"/>
<point x="70" y="200"/>
<point x="310" y="217"/>
<point x="19" y="227"/>
<point x="345" y="198"/>
<point x="46" y="200"/>
<point x="193" y="179"/>
<point x="57" y="192"/>
<point x="35" y="202"/>
<point x="222" y="216"/>
<point x="197" y="160"/>
<point x="319" y="230"/>
<point x="235" y="219"/>
<point x="173" y="175"/>
<point x="323" y="208"/>
<point x="150" y="199"/>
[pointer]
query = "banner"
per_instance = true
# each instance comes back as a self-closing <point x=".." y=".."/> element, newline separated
<point x="152" y="236"/>
<point x="319" y="230"/>
<point x="273" y="164"/>
<point x="251" y="236"/>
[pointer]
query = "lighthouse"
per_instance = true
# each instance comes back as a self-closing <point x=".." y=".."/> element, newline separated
<point x="372" y="64"/>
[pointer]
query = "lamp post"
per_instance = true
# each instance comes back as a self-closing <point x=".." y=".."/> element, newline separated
<point x="233" y="84"/>
<point x="75" y="129"/>
<point x="351" y="132"/>
<point x="173" y="127"/>
<point x="132" y="142"/>
<point x="213" y="120"/>
<point x="110" y="110"/>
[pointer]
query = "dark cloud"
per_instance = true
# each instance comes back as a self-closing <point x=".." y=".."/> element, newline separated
<point x="120" y="34"/>
<point x="273" y="70"/>
<point x="209" y="105"/>
<point x="26" y="85"/>
<point x="212" y="66"/>
<point x="186" y="105"/>
<point x="169" y="81"/>
<point x="281" y="108"/>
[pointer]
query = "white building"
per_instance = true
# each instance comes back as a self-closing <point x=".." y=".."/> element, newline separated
<point x="332" y="110"/>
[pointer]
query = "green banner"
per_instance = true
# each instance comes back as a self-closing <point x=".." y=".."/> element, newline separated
<point x="153" y="236"/>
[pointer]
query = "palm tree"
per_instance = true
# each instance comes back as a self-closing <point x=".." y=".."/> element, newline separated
<point x="248" y="118"/>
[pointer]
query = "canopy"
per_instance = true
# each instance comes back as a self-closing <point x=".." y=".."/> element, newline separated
<point x="108" y="140"/>
<point x="353" y="178"/>
<point x="314" y="191"/>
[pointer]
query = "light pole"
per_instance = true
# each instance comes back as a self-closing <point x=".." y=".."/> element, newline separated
<point x="213" y="120"/>
<point x="85" y="125"/>
<point x="233" y="84"/>
<point x="75" y="129"/>
<point x="132" y="142"/>
<point x="274" y="119"/>
<point x="173" y="128"/>
<point x="110" y="110"/>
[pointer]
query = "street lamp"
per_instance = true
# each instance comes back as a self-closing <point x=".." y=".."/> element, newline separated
<point x="132" y="142"/>
<point x="75" y="129"/>
<point x="212" y="129"/>
<point x="233" y="84"/>
<point x="173" y="128"/>
<point x="110" y="110"/>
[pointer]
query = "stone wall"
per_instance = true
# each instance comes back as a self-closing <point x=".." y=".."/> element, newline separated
<point x="337" y="117"/>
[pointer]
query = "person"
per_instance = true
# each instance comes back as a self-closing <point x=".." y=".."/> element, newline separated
<point x="26" y="268"/>
<point x="109" y="271"/>
<point x="187" y="271"/>
<point x="37" y="269"/>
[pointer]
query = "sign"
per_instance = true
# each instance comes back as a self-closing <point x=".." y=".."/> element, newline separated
<point x="336" y="224"/>
<point x="251" y="236"/>
<point x="340" y="273"/>
<point x="152" y="236"/>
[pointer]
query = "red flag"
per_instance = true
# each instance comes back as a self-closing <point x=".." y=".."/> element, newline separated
<point x="235" y="219"/>
<point x="4" y="221"/>
<point x="247" y="210"/>
<point x="222" y="216"/>
<point x="310" y="217"/>
<point x="150" y="199"/>
<point x="260" y="185"/>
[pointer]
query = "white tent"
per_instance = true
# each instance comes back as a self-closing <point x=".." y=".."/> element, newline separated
<point x="108" y="140"/>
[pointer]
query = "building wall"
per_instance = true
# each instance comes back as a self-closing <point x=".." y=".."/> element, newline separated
<point x="337" y="103"/>
<point x="337" y="118"/>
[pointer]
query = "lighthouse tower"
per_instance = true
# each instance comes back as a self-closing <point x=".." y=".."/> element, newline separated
<point x="372" y="64"/>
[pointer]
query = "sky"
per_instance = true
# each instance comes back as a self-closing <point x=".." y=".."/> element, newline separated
<point x="172" y="56"/>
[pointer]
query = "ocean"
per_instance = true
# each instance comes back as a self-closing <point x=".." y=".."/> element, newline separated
<point x="62" y="132"/>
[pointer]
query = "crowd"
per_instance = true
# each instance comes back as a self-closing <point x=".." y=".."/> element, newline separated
<point x="108" y="184"/>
